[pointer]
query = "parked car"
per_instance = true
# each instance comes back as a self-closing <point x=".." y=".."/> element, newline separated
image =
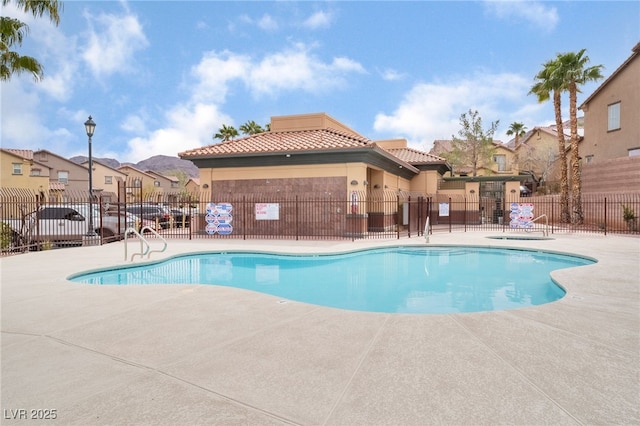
<point x="65" y="225"/>
<point x="155" y="213"/>
<point x="524" y="191"/>
<point x="180" y="218"/>
<point x="136" y="222"/>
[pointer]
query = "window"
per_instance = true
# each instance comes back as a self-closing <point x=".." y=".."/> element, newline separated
<point x="614" y="117"/>
<point x="35" y="172"/>
<point x="108" y="180"/>
<point x="63" y="177"/>
<point x="17" y="168"/>
<point x="588" y="159"/>
<point x="137" y="183"/>
<point x="175" y="184"/>
<point x="633" y="152"/>
<point x="156" y="183"/>
<point x="501" y="161"/>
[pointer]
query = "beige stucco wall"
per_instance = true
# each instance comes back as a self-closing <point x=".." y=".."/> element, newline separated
<point x="600" y="143"/>
<point x="308" y="122"/>
<point x="426" y="182"/>
<point x="539" y="154"/>
<point x="78" y="175"/>
<point x="24" y="180"/>
<point x="100" y="173"/>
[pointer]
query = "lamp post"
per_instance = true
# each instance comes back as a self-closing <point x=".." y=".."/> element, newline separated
<point x="90" y="126"/>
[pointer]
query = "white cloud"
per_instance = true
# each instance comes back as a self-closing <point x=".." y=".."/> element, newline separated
<point x="431" y="111"/>
<point x="267" y="23"/>
<point x="214" y="72"/>
<point x="535" y="12"/>
<point x="187" y="126"/>
<point x="391" y="75"/>
<point x="298" y="69"/>
<point x="318" y="20"/>
<point x="192" y="123"/>
<point x="112" y="46"/>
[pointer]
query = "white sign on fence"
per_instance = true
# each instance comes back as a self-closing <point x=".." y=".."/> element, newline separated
<point x="267" y="211"/>
<point x="521" y="215"/>
<point x="444" y="209"/>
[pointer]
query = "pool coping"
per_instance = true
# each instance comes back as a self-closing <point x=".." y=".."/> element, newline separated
<point x="185" y="354"/>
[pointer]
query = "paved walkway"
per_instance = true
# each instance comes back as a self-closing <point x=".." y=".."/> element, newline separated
<point x="189" y="354"/>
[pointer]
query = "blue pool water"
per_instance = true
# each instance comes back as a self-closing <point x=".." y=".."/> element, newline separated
<point x="396" y="280"/>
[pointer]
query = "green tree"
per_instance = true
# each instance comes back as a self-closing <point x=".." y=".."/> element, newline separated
<point x="573" y="71"/>
<point x="517" y="130"/>
<point x="475" y="145"/>
<point x="251" y="128"/>
<point x="226" y="133"/>
<point x="12" y="33"/>
<point x="550" y="83"/>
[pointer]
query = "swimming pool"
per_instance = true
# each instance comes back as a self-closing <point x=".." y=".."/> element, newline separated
<point x="395" y="280"/>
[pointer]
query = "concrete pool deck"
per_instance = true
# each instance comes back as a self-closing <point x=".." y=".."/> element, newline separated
<point x="190" y="354"/>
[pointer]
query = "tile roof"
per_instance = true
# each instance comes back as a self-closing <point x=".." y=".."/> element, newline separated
<point x="413" y="156"/>
<point x="287" y="141"/>
<point x="27" y="154"/>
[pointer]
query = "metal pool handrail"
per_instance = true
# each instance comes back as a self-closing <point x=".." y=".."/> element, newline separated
<point x="545" y="229"/>
<point x="145" y="247"/>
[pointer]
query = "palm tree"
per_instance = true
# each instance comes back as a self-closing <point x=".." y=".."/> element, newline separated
<point x="251" y="128"/>
<point x="548" y="83"/>
<point x="572" y="70"/>
<point x="226" y="133"/>
<point x="12" y="32"/>
<point x="518" y="130"/>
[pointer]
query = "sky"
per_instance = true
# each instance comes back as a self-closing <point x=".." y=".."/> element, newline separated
<point x="161" y="77"/>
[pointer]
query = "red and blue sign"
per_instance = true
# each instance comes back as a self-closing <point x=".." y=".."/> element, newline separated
<point x="219" y="219"/>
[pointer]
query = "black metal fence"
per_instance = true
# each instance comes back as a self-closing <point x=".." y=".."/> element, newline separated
<point x="28" y="220"/>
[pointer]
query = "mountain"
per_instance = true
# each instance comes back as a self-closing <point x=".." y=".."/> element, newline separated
<point x="157" y="163"/>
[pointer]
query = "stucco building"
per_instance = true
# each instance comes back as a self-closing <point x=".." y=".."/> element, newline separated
<point x="611" y="145"/>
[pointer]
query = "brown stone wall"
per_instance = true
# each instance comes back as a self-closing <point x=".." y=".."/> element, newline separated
<point x="307" y="206"/>
<point x="334" y="186"/>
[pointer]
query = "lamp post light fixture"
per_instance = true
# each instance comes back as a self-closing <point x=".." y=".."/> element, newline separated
<point x="90" y="126"/>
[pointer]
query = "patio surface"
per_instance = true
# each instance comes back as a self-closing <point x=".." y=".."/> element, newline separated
<point x="190" y="354"/>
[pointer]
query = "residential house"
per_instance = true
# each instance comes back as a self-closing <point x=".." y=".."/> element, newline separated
<point x="70" y="179"/>
<point x="19" y="170"/>
<point x="106" y="181"/>
<point x="168" y="185"/>
<point x="501" y="161"/>
<point x="536" y="154"/>
<point x="193" y="185"/>
<point x="141" y="186"/>
<point x="611" y="144"/>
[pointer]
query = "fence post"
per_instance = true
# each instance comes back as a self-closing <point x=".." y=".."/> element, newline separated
<point x="398" y="217"/>
<point x="244" y="217"/>
<point x="408" y="217"/>
<point x="605" y="216"/>
<point x="297" y="212"/>
<point x="450" y="212"/>
<point x="466" y="208"/>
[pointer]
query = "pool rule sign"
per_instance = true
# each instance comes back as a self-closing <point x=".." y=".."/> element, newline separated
<point x="521" y="215"/>
<point x="219" y="219"/>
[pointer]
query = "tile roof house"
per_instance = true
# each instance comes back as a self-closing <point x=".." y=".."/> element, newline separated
<point x="313" y="153"/>
<point x="501" y="162"/>
<point x="19" y="170"/>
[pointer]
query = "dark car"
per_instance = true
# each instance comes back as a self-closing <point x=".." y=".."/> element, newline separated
<point x="180" y="218"/>
<point x="158" y="214"/>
